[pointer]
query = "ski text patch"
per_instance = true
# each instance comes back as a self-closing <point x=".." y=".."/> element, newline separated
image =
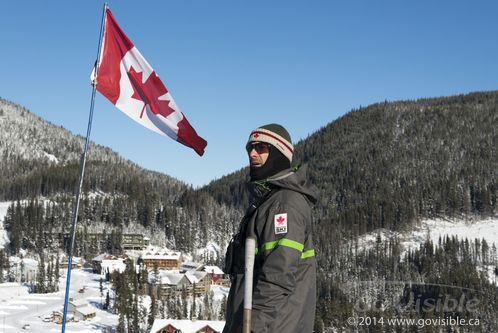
<point x="280" y="221"/>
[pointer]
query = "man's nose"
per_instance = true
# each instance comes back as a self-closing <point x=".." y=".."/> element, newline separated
<point x="253" y="153"/>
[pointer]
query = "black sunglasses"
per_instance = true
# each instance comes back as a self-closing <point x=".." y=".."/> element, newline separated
<point x="259" y="147"/>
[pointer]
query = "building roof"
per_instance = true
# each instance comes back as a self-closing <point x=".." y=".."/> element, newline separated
<point x="169" y="278"/>
<point x="162" y="256"/>
<point x="86" y="310"/>
<point x="191" y="266"/>
<point x="79" y="302"/>
<point x="154" y="252"/>
<point x="213" y="270"/>
<point x="104" y="256"/>
<point x="187" y="326"/>
<point x="113" y="265"/>
<point x="195" y="276"/>
<point x="75" y="260"/>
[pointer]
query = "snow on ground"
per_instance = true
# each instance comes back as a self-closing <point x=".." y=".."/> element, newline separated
<point x="435" y="229"/>
<point x="211" y="250"/>
<point x="50" y="157"/>
<point x="18" y="307"/>
<point x="438" y="228"/>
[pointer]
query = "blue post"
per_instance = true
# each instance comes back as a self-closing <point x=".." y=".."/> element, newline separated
<point x="82" y="174"/>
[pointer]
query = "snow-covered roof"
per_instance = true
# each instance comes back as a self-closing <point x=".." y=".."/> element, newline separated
<point x="162" y="255"/>
<point x="104" y="256"/>
<point x="187" y="326"/>
<point x="153" y="252"/>
<point x="86" y="310"/>
<point x="187" y="266"/>
<point x="113" y="262"/>
<point x="113" y="265"/>
<point x="213" y="270"/>
<point x="195" y="276"/>
<point x="75" y="260"/>
<point x="169" y="278"/>
<point x="79" y="302"/>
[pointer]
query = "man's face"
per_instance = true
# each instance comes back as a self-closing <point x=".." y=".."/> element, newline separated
<point x="258" y="153"/>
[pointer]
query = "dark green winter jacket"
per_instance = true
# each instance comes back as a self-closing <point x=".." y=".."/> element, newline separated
<point x="284" y="282"/>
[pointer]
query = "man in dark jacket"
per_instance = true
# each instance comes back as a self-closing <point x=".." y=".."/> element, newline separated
<point x="284" y="281"/>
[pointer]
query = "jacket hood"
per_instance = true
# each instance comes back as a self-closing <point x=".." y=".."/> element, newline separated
<point x="293" y="179"/>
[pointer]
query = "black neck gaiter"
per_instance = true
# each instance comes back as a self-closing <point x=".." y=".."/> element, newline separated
<point x="275" y="163"/>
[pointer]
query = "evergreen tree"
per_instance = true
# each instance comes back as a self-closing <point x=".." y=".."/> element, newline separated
<point x="193" y="310"/>
<point x="153" y="308"/>
<point x="3" y="264"/>
<point x="121" y="324"/>
<point x="184" y="302"/>
<point x="40" y="286"/>
<point x="223" y="307"/>
<point x="50" y="277"/>
<point x="57" y="272"/>
<point x="107" y="301"/>
<point x="163" y="308"/>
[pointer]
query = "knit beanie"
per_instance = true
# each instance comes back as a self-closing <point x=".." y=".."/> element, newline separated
<point x="277" y="136"/>
<point x="280" y="153"/>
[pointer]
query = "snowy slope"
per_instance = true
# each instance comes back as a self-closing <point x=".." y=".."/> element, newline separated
<point x="434" y="229"/>
<point x="30" y="137"/>
<point x="471" y="229"/>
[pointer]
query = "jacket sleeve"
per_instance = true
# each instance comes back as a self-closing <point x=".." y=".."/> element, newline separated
<point x="281" y="236"/>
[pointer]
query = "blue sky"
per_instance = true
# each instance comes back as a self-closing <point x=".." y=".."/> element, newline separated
<point x="234" y="65"/>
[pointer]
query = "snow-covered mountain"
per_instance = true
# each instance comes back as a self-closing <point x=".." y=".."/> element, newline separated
<point x="40" y="158"/>
<point x="24" y="135"/>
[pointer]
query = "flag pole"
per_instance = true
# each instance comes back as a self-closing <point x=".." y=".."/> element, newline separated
<point x="82" y="173"/>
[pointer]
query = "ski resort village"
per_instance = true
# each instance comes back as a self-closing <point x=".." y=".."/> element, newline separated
<point x="169" y="283"/>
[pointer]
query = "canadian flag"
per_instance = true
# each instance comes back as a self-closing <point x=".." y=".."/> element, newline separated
<point x="127" y="80"/>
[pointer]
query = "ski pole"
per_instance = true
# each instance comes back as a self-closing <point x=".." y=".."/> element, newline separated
<point x="248" y="280"/>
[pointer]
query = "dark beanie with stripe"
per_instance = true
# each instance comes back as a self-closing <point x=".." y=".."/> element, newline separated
<point x="281" y="150"/>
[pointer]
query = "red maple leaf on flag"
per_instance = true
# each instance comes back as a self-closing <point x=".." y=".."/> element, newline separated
<point x="280" y="220"/>
<point x="149" y="92"/>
